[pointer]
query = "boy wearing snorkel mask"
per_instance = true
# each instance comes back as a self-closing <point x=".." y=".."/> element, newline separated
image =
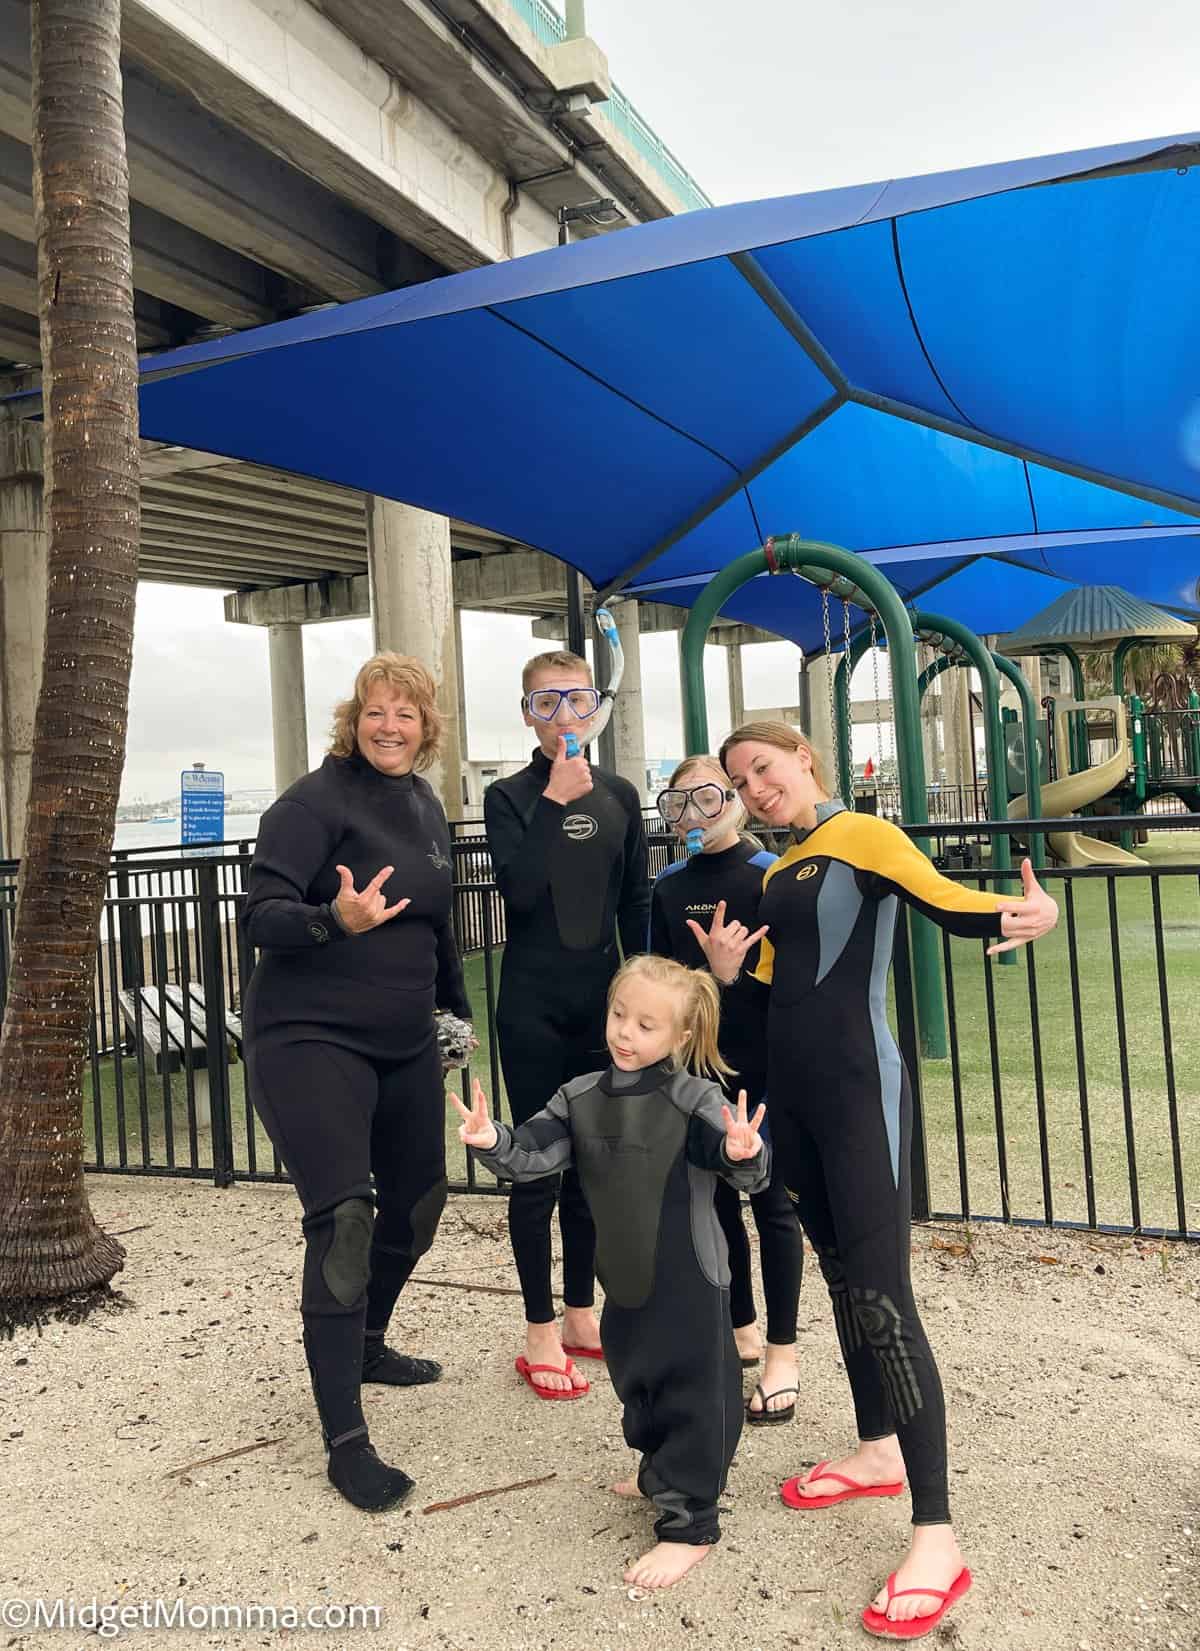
<point x="569" y="858"/>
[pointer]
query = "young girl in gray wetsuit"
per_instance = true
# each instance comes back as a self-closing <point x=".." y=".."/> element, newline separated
<point x="648" y="1138"/>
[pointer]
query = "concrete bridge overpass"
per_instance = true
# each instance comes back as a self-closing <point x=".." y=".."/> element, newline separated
<point x="286" y="154"/>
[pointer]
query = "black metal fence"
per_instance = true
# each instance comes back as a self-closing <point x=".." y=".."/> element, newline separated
<point x="1069" y="1095"/>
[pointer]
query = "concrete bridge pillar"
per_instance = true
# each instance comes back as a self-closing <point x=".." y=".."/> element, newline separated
<point x="412" y="612"/>
<point x="814" y="711"/>
<point x="627" y="725"/>
<point x="289" y="720"/>
<point x="24" y="547"/>
<point x="737" y="685"/>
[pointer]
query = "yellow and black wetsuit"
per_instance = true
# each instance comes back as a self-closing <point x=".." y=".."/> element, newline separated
<point x="841" y="1111"/>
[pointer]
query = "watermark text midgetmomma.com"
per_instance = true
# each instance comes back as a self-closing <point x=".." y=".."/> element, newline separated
<point x="108" y="1618"/>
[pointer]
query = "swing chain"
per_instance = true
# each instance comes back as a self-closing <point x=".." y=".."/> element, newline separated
<point x="833" y="728"/>
<point x="875" y="686"/>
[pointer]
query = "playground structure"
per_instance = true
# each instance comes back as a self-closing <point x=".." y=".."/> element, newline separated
<point x="1047" y="768"/>
<point x="1150" y="756"/>
<point x="1147" y="752"/>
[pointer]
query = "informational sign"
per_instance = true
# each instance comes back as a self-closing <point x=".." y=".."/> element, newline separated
<point x="202" y="805"/>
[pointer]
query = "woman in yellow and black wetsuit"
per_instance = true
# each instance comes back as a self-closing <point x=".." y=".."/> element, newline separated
<point x="841" y="1118"/>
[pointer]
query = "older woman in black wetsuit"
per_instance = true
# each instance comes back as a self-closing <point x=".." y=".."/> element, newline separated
<point x="841" y="1118"/>
<point x="348" y="900"/>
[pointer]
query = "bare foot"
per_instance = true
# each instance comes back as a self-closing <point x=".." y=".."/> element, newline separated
<point x="934" y="1561"/>
<point x="875" y="1462"/>
<point x="667" y="1562"/>
<point x="542" y="1346"/>
<point x="779" y="1374"/>
<point x="581" y="1328"/>
<point x="626" y="1487"/>
<point x="749" y="1343"/>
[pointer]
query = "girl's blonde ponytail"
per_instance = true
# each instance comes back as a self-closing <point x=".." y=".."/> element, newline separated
<point x="703" y="1055"/>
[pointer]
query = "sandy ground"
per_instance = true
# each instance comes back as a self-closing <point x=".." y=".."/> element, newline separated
<point x="1070" y="1365"/>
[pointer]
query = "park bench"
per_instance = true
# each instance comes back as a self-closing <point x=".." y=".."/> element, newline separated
<point x="173" y="1044"/>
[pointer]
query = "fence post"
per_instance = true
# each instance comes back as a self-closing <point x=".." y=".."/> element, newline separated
<point x="129" y="938"/>
<point x="216" y="1038"/>
<point x="910" y="1053"/>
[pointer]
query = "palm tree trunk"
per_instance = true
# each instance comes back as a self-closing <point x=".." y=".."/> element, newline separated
<point x="50" y="1245"/>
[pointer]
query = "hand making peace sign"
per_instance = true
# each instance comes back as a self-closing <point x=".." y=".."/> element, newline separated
<point x="477" y="1128"/>
<point x="742" y="1139"/>
<point x="725" y="944"/>
<point x="360" y="912"/>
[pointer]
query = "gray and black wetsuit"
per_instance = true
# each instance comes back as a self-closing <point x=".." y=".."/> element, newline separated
<point x="648" y="1147"/>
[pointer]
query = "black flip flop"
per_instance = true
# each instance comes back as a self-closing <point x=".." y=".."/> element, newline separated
<point x="748" y="1364"/>
<point x="771" y="1418"/>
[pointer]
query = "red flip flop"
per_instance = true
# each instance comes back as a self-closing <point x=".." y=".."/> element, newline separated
<point x="583" y="1352"/>
<point x="876" y="1623"/>
<point x="790" y="1489"/>
<point x="525" y="1370"/>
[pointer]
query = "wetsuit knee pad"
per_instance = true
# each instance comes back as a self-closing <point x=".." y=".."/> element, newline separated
<point x="881" y="1326"/>
<point x="337" y="1262"/>
<point x="410" y="1232"/>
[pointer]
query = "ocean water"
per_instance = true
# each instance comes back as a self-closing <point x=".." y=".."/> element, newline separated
<point x="145" y="834"/>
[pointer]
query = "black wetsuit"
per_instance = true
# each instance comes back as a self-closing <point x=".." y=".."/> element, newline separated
<point x="341" y="1052"/>
<point x="841" y="1110"/>
<point x="693" y="888"/>
<point x="648" y="1147"/>
<point x="571" y="876"/>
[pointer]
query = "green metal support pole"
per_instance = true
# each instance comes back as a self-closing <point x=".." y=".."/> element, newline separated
<point x="1080" y="756"/>
<point x="1193" y="733"/>
<point x="1033" y="768"/>
<point x="1137" y="717"/>
<point x="1120" y="654"/>
<point x="848" y="575"/>
<point x="935" y="628"/>
<point x="1029" y="718"/>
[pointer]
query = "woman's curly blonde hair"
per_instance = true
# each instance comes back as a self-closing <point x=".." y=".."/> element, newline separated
<point x="404" y="676"/>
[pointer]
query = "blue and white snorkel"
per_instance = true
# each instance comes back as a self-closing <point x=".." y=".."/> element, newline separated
<point x="607" y="626"/>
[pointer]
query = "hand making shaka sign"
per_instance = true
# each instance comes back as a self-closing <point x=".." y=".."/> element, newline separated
<point x="725" y="944"/>
<point x="360" y="912"/>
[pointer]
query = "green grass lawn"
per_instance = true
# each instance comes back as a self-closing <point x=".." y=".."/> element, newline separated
<point x="1018" y="1095"/>
<point x="1101" y="1061"/>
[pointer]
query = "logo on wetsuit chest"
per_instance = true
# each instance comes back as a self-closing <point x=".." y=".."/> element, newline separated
<point x="805" y="872"/>
<point x="438" y="859"/>
<point x="579" y="827"/>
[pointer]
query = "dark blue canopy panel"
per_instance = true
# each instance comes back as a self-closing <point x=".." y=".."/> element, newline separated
<point x="998" y="363"/>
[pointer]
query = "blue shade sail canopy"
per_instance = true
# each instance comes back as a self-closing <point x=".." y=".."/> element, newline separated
<point x="988" y="381"/>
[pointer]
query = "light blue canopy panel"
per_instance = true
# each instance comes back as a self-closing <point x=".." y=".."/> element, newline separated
<point x="998" y="363"/>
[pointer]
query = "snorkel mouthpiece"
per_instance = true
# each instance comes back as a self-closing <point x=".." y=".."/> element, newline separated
<point x="694" y="841"/>
<point x="572" y="745"/>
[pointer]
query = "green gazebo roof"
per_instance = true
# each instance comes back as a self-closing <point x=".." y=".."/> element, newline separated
<point x="1091" y="616"/>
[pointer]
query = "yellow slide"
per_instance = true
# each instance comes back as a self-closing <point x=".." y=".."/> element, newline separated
<point x="1075" y="791"/>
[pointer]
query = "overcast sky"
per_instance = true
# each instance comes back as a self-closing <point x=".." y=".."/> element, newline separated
<point x="761" y="98"/>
